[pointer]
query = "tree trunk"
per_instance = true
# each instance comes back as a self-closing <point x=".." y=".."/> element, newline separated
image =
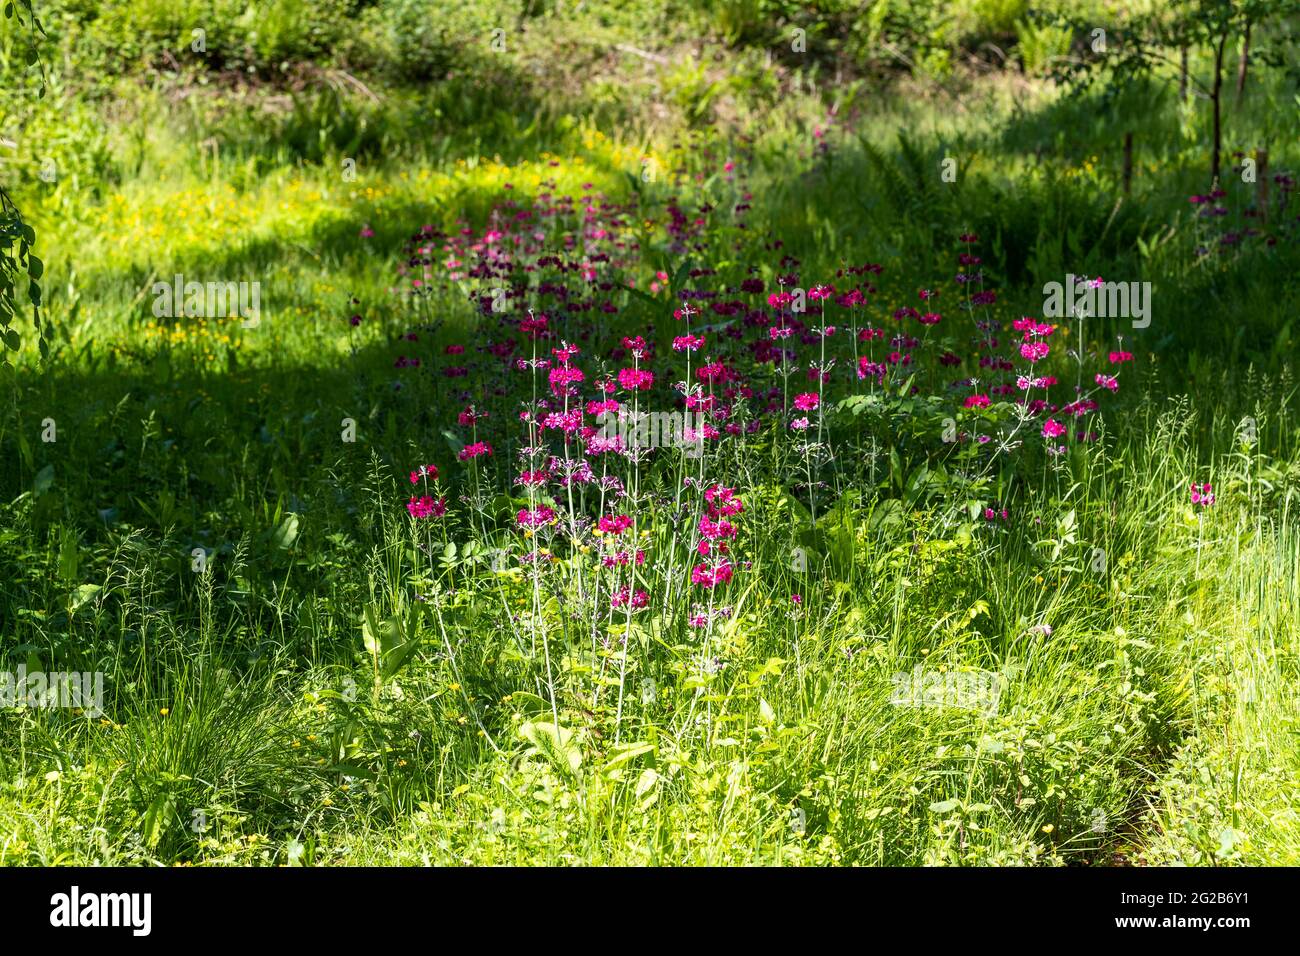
<point x="1182" y="75"/>
<point x="1216" y="96"/>
<point x="1244" y="63"/>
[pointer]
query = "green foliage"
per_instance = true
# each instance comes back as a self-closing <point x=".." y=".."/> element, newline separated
<point x="342" y="684"/>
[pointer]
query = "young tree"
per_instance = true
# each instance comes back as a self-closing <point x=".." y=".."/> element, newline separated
<point x="1144" y="47"/>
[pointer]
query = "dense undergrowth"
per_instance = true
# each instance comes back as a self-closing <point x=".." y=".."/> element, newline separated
<point x="370" y="582"/>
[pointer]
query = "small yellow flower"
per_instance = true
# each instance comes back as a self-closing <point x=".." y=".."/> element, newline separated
<point x="165" y="711"/>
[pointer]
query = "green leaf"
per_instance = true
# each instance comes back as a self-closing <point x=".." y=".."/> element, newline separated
<point x="389" y="640"/>
<point x="283" y="537"/>
<point x="555" y="743"/>
<point x="625" y="753"/>
<point x="69" y="558"/>
<point x="157" y="818"/>
<point x="44" y="479"/>
<point x="647" y="788"/>
<point x="84" y="593"/>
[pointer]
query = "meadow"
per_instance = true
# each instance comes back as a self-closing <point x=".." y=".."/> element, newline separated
<point x="641" y="441"/>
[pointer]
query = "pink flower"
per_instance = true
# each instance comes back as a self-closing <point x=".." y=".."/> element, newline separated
<point x="567" y="422"/>
<point x="807" y="401"/>
<point x="1108" y="382"/>
<point x="1053" y="429"/>
<point x="977" y="401"/>
<point x="1034" y="351"/>
<point x="634" y="379"/>
<point x="536" y="518"/>
<point x="716" y="530"/>
<point x="615" y="524"/>
<point x="475" y="450"/>
<point x="624" y="597"/>
<point x="722" y="502"/>
<point x="564" y="380"/>
<point x="868" y="368"/>
<point x="709" y="577"/>
<point x="426" y="507"/>
<point x="1202" y="494"/>
<point x="424" y="471"/>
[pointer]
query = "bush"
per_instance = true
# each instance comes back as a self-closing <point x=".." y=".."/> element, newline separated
<point x="419" y="40"/>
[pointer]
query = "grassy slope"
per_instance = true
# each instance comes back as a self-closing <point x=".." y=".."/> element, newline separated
<point x="212" y="435"/>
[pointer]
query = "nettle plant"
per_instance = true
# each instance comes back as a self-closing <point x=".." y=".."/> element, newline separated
<point x="605" y="550"/>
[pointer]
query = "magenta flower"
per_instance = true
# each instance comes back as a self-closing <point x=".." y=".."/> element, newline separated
<point x="1034" y="351"/>
<point x="424" y="471"/>
<point x="807" y="401"/>
<point x="635" y="379"/>
<point x="1202" y="495"/>
<point x="722" y="502"/>
<point x="868" y="368"/>
<point x="535" y="518"/>
<point x="709" y="577"/>
<point x="426" y="507"/>
<point x="614" y="524"/>
<point x="1053" y="429"/>
<point x="564" y="380"/>
<point x="716" y="530"/>
<point x="624" y="597"/>
<point x="475" y="450"/>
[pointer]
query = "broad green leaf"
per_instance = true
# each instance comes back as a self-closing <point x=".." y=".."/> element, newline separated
<point x="286" y="533"/>
<point x="80" y="596"/>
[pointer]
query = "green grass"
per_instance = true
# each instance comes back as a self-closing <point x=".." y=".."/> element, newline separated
<point x="250" y="719"/>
